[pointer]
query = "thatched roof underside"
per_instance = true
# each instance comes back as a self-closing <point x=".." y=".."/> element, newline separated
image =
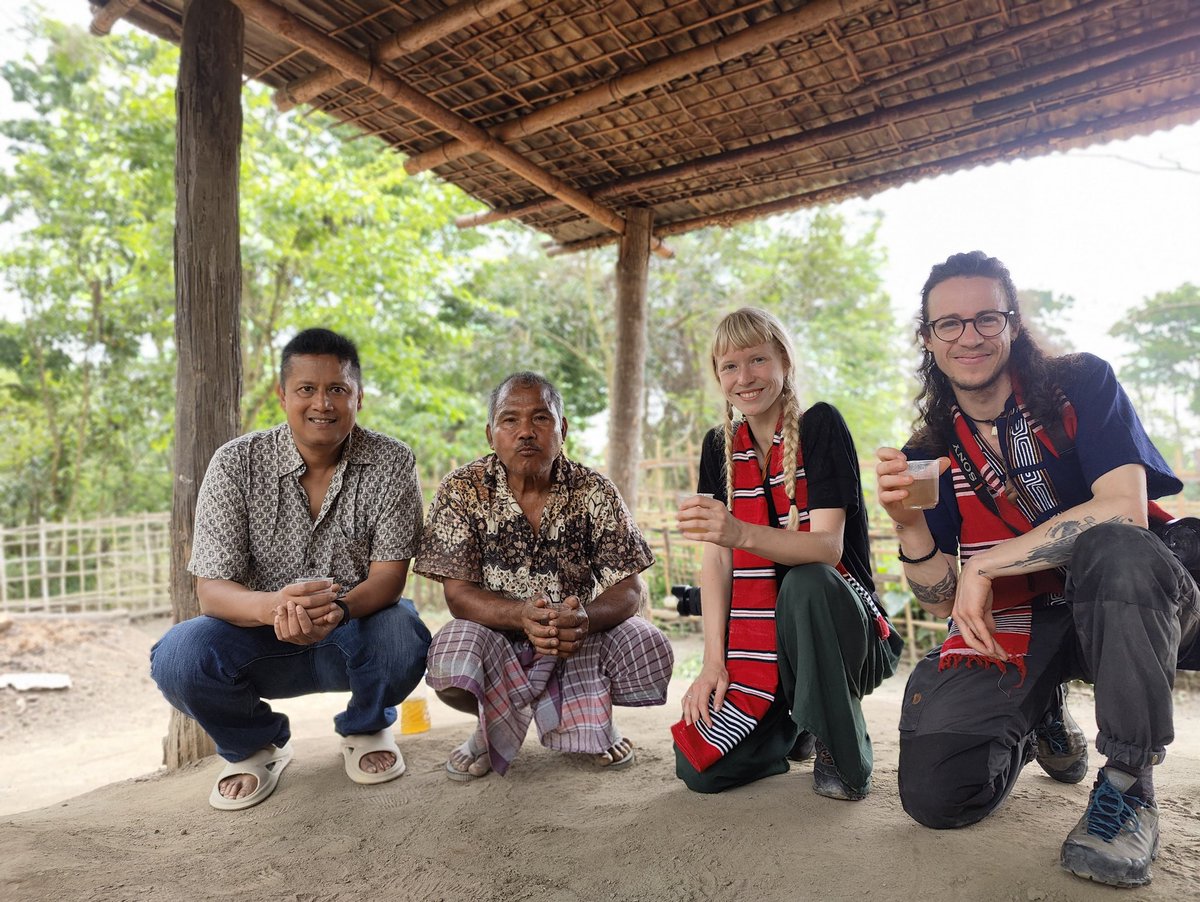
<point x="728" y="110"/>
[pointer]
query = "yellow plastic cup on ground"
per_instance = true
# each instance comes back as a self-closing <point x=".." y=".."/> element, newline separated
<point x="414" y="712"/>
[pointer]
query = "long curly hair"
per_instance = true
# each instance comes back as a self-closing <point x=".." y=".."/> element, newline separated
<point x="1037" y="371"/>
<point x="748" y="328"/>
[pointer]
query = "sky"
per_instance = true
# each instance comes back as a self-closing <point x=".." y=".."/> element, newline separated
<point x="1109" y="225"/>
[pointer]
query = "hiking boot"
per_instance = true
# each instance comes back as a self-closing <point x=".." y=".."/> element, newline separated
<point x="1061" y="746"/>
<point x="802" y="749"/>
<point x="1117" y="838"/>
<point x="829" y="783"/>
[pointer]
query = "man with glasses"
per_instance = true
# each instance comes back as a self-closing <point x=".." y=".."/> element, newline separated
<point x="1039" y="550"/>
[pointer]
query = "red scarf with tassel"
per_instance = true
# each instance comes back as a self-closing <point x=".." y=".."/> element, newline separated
<point x="750" y="657"/>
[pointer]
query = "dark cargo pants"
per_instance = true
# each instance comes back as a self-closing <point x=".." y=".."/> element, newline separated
<point x="1131" y="608"/>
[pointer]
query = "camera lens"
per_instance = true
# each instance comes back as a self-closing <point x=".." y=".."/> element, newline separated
<point x="689" y="600"/>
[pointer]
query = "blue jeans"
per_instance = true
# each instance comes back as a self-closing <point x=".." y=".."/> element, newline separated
<point x="218" y="674"/>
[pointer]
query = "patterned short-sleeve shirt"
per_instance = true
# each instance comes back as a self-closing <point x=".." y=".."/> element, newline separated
<point x="586" y="542"/>
<point x="253" y="524"/>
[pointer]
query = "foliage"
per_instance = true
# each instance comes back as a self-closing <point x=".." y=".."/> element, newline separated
<point x="1164" y="366"/>
<point x="557" y="315"/>
<point x="1045" y="313"/>
<point x="333" y="234"/>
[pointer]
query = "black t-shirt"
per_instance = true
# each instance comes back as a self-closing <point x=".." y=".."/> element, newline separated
<point x="831" y="468"/>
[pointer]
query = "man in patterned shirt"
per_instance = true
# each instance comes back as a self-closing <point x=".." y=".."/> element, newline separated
<point x="539" y="559"/>
<point x="302" y="541"/>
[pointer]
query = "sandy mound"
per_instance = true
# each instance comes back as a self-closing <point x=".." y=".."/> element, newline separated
<point x="557" y="828"/>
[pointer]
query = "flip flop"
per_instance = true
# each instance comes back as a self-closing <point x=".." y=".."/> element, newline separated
<point x="265" y="765"/>
<point x="617" y="763"/>
<point x="356" y="745"/>
<point x="480" y="766"/>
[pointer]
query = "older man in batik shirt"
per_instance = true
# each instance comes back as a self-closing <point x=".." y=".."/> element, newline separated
<point x="539" y="559"/>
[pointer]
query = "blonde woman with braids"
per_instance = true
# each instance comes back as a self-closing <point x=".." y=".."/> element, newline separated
<point x="793" y="636"/>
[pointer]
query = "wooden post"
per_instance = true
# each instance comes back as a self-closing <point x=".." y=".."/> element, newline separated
<point x="208" y="285"/>
<point x="628" y="377"/>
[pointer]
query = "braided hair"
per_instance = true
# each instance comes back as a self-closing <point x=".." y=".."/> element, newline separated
<point x="747" y="328"/>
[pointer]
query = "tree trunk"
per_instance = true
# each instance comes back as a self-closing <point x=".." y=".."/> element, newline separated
<point x="208" y="288"/>
<point x="628" y="379"/>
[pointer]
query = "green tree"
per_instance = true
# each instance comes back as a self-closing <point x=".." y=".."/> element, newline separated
<point x="555" y="314"/>
<point x="1164" y="365"/>
<point x="334" y="234"/>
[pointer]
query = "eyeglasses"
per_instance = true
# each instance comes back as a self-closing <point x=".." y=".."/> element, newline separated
<point x="988" y="324"/>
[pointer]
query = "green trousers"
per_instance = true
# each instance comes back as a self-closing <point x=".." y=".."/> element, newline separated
<point x="830" y="656"/>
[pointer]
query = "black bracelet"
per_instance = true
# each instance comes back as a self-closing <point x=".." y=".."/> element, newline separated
<point x="917" y="560"/>
<point x="345" y="612"/>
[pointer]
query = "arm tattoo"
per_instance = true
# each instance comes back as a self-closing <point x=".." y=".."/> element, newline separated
<point x="939" y="593"/>
<point x="1055" y="551"/>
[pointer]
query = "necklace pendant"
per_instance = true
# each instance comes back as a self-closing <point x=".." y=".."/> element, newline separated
<point x="994" y="430"/>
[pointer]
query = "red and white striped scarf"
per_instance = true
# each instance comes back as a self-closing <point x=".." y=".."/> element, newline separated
<point x="751" y="658"/>
<point x="983" y="528"/>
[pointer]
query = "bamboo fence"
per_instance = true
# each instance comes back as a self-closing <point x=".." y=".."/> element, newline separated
<point x="122" y="564"/>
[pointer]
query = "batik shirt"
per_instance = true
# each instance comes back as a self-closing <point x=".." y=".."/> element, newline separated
<point x="477" y="532"/>
<point x="253" y="524"/>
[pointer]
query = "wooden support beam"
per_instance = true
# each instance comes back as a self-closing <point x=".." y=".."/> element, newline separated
<point x="1002" y="39"/>
<point x="1043" y="142"/>
<point x="625" y="400"/>
<point x="1111" y="58"/>
<point x="748" y="40"/>
<point x="106" y="16"/>
<point x="354" y="66"/>
<point x="208" y="290"/>
<point x="421" y="34"/>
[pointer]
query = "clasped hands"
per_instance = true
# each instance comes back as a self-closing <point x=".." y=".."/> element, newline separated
<point x="305" y="612"/>
<point x="556" y="631"/>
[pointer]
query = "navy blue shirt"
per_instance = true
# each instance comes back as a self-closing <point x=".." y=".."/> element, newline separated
<point x="1110" y="435"/>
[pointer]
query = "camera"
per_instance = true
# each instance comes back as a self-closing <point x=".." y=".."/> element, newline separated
<point x="689" y="600"/>
<point x="1182" y="537"/>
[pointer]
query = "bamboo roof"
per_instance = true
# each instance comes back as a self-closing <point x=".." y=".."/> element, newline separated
<point x="711" y="111"/>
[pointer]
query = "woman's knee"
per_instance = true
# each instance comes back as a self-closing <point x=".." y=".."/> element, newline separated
<point x="809" y="584"/>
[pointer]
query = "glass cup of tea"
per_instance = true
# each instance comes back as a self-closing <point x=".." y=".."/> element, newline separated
<point x="680" y="499"/>
<point x="923" y="493"/>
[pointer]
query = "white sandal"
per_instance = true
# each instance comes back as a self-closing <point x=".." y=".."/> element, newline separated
<point x="358" y="745"/>
<point x="265" y="766"/>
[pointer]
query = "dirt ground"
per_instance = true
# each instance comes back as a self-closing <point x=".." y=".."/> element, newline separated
<point x="85" y="812"/>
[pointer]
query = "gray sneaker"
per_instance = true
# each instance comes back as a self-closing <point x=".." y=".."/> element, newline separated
<point x="1117" y="838"/>
<point x="1061" y="746"/>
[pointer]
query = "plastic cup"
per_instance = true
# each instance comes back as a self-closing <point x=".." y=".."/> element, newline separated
<point x="923" y="493"/>
<point x="680" y="499"/>
<point x="414" y="712"/>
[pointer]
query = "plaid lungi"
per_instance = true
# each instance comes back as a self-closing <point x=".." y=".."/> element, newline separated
<point x="569" y="700"/>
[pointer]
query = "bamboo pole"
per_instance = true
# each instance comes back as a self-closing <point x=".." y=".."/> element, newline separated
<point x="410" y="40"/>
<point x="355" y="67"/>
<point x="106" y="16"/>
<point x="617" y="88"/>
